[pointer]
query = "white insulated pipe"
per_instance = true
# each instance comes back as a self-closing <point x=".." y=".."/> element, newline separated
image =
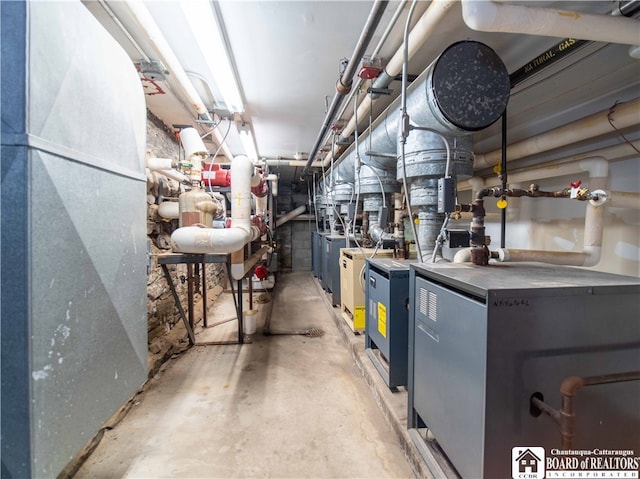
<point x="158" y="164"/>
<point x="193" y="239"/>
<point x="290" y="215"/>
<point x="154" y="35"/>
<point x="560" y="167"/>
<point x="624" y="199"/>
<point x="490" y="16"/>
<point x="622" y="116"/>
<point x="163" y="166"/>
<point x="169" y="210"/>
<point x="261" y="205"/>
<point x="273" y="178"/>
<point x="593" y="229"/>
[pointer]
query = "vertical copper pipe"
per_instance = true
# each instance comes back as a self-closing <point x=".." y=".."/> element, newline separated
<point x="568" y="389"/>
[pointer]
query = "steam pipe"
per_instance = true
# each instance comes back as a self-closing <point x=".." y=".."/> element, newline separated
<point x="490" y="16"/>
<point x="376" y="51"/>
<point x="560" y="167"/>
<point x="169" y="210"/>
<point x="291" y="215"/>
<point x="164" y="166"/>
<point x="343" y="85"/>
<point x="622" y="115"/>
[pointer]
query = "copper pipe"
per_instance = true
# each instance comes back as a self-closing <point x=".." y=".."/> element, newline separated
<point x="570" y="386"/>
<point x="566" y="416"/>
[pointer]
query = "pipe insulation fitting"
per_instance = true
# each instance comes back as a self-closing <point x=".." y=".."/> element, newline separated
<point x="193" y="239"/>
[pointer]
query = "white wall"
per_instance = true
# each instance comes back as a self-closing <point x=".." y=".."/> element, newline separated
<point x="558" y="224"/>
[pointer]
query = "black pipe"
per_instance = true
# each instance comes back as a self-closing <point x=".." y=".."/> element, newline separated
<point x="564" y="48"/>
<point x="503" y="175"/>
<point x="546" y="58"/>
<point x="346" y="79"/>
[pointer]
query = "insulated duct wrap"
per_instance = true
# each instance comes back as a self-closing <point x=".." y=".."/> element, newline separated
<point x="376" y="180"/>
<point x="466" y="89"/>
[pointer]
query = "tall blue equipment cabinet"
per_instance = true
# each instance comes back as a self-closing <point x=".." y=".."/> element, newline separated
<point x="331" y="266"/>
<point x="387" y="323"/>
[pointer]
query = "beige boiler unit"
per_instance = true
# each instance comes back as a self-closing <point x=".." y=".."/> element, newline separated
<point x="352" y="283"/>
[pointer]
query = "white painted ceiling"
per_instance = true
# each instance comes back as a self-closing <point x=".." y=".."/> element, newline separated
<point x="287" y="57"/>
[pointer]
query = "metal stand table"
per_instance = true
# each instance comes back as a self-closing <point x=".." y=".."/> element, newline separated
<point x="200" y="260"/>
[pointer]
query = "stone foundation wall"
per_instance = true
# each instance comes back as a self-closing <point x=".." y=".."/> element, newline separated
<point x="166" y="332"/>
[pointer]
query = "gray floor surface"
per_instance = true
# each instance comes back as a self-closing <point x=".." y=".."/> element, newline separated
<point x="283" y="406"/>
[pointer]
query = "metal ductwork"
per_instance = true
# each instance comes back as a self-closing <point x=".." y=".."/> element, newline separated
<point x="464" y="90"/>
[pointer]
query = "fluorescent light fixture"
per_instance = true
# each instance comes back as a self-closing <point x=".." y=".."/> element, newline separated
<point x="249" y="145"/>
<point x="209" y="38"/>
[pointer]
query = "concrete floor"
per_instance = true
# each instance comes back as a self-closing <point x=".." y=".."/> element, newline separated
<point x="282" y="406"/>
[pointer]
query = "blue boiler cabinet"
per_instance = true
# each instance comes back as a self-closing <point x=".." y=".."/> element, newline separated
<point x="485" y="340"/>
<point x="387" y="318"/>
<point x="315" y="253"/>
<point x="331" y="266"/>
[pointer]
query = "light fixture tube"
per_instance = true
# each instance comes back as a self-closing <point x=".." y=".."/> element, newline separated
<point x="209" y="38"/>
<point x="249" y="145"/>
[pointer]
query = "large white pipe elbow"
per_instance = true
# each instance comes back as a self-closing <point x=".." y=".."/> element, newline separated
<point x="274" y="184"/>
<point x="169" y="210"/>
<point x="489" y="16"/>
<point x="193" y="239"/>
<point x="462" y="256"/>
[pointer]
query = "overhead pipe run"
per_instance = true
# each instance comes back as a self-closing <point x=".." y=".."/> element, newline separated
<point x="290" y="215"/>
<point x="343" y="86"/>
<point x="622" y="115"/>
<point x="423" y="28"/>
<point x="490" y="16"/>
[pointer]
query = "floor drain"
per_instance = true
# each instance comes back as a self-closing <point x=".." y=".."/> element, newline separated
<point x="314" y="332"/>
<point x="311" y="332"/>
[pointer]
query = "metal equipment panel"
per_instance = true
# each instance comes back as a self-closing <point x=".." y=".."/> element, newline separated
<point x="484" y="340"/>
<point x="315" y="253"/>
<point x="332" y="268"/>
<point x="324" y="261"/>
<point x="386" y="331"/>
<point x="74" y="329"/>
